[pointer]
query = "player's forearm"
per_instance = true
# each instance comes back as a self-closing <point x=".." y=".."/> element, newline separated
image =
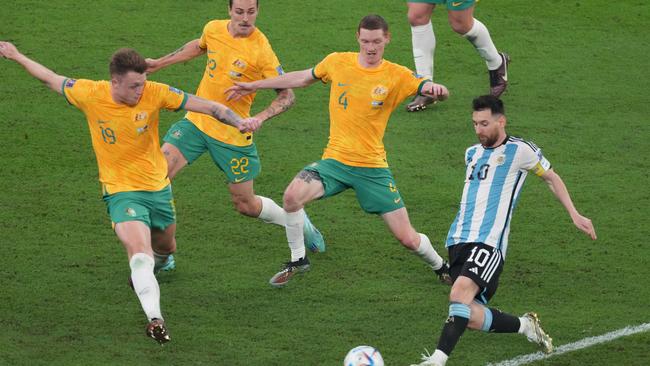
<point x="295" y="79"/>
<point x="559" y="189"/>
<point x="40" y="72"/>
<point x="226" y="115"/>
<point x="285" y="99"/>
<point x="187" y="52"/>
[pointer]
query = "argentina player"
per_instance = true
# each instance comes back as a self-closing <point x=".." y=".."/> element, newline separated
<point x="478" y="238"/>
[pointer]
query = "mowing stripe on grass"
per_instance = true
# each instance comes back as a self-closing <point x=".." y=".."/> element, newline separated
<point x="583" y="343"/>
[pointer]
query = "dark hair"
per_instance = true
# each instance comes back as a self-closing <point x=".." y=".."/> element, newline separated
<point x="494" y="104"/>
<point x="372" y="22"/>
<point x="125" y="60"/>
<point x="257" y="3"/>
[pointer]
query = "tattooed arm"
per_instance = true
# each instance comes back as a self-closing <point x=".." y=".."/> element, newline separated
<point x="285" y="99"/>
<point x="216" y="110"/>
<point x="187" y="52"/>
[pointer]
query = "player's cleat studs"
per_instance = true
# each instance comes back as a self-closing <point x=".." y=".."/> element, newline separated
<point x="420" y="103"/>
<point x="443" y="274"/>
<point x="157" y="330"/>
<point x="281" y="278"/>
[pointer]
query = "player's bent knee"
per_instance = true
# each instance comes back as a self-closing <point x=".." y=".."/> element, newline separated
<point x="418" y="18"/>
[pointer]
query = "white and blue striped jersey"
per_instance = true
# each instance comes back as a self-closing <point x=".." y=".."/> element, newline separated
<point x="493" y="181"/>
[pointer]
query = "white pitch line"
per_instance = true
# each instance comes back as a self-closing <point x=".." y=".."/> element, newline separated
<point x="583" y="343"/>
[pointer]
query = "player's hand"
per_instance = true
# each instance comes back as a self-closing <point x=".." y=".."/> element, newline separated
<point x="239" y="90"/>
<point x="585" y="225"/>
<point x="8" y="50"/>
<point x="250" y="124"/>
<point x="436" y="91"/>
<point x="152" y="65"/>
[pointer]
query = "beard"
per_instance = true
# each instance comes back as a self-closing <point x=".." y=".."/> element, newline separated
<point x="488" y="141"/>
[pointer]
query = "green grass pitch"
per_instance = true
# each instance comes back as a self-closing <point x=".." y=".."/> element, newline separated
<point x="579" y="89"/>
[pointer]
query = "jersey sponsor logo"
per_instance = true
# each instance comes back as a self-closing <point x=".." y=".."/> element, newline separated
<point x="70" y="83"/>
<point x="174" y="90"/>
<point x="279" y="70"/>
<point x="456" y="3"/>
<point x="474" y="270"/>
<point x="130" y="212"/>
<point x="397" y="200"/>
<point x="234" y="74"/>
<point x="237" y="180"/>
<point x="177" y="134"/>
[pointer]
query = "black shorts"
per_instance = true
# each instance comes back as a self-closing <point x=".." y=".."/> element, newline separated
<point x="482" y="263"/>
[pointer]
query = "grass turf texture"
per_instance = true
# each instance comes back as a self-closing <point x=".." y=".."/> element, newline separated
<point x="578" y="89"/>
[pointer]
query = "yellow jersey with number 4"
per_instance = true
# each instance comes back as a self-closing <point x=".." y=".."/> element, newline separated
<point x="361" y="102"/>
<point x="125" y="138"/>
<point x="230" y="60"/>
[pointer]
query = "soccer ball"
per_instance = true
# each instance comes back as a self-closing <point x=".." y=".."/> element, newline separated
<point x="363" y="356"/>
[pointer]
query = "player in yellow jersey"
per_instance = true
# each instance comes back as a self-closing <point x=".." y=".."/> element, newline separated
<point x="122" y="116"/>
<point x="365" y="89"/>
<point x="236" y="51"/>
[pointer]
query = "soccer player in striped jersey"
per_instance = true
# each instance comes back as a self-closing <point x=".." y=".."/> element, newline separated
<point x="478" y="238"/>
<point x="123" y="116"/>
<point x="236" y="50"/>
<point x="365" y="90"/>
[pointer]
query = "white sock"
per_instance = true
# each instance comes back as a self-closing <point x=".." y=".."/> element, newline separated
<point x="145" y="284"/>
<point x="439" y="357"/>
<point x="424" y="45"/>
<point x="426" y="252"/>
<point x="160" y="259"/>
<point x="525" y="327"/>
<point x="295" y="236"/>
<point x="479" y="36"/>
<point x="272" y="213"/>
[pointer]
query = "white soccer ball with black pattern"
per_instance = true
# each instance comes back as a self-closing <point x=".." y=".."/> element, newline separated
<point x="363" y="356"/>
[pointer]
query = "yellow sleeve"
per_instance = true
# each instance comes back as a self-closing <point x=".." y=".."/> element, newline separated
<point x="171" y="98"/>
<point x="322" y="70"/>
<point x="271" y="65"/>
<point x="202" y="41"/>
<point x="409" y="83"/>
<point x="76" y="92"/>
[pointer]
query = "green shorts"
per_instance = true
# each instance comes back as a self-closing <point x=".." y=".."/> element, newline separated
<point x="240" y="163"/>
<point x="451" y="5"/>
<point x="156" y="209"/>
<point x="375" y="187"/>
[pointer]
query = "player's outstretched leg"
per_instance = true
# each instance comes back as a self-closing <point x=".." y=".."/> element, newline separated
<point x="157" y="330"/>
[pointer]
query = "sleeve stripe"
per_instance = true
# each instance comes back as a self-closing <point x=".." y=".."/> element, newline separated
<point x="182" y="106"/>
<point x="422" y="85"/>
<point x="63" y="90"/>
<point x="313" y="73"/>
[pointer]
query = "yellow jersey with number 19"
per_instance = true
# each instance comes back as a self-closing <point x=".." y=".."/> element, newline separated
<point x="125" y="138"/>
<point x="232" y="59"/>
<point x="361" y="102"/>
